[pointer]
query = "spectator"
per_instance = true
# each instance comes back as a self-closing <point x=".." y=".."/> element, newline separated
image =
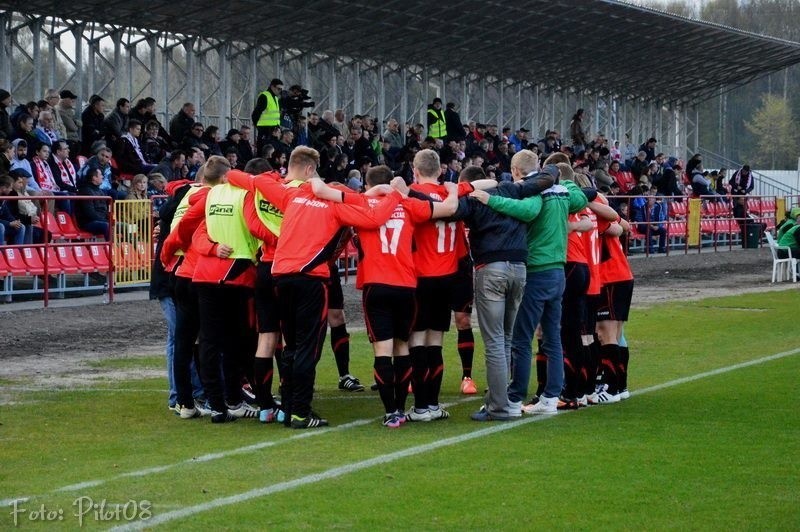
<point x="41" y="170"/>
<point x="455" y="129"/>
<point x="52" y="98"/>
<point x="244" y="146"/>
<point x="721" y="183"/>
<point x="211" y="139"/>
<point x="625" y="180"/>
<point x="19" y="161"/>
<point x="63" y="170"/>
<point x="691" y="163"/>
<point x="100" y="163"/>
<point x="615" y="152"/>
<point x="194" y="138"/>
<point x="630" y="151"/>
<point x="639" y="165"/>
<point x="601" y="175"/>
<point x="278" y="161"/>
<point x="5" y="120"/>
<point x="6" y="155"/>
<point x="232" y="155"/>
<point x="519" y="139"/>
<point x="92" y="119"/>
<point x="701" y="185"/>
<point x="651" y="218"/>
<point x="336" y="171"/>
<point x="154" y="146"/>
<point x="668" y="184"/>
<point x="196" y="158"/>
<point x="12" y="230"/>
<point x="649" y="148"/>
<point x="789" y="235"/>
<point x="181" y="124"/>
<point x="741" y="182"/>
<point x="576" y="131"/>
<point x="25" y="130"/>
<point x="127" y="152"/>
<point x="92" y="215"/>
<point x="116" y="123"/>
<point x="302" y="137"/>
<point x="231" y="141"/>
<point x="285" y="143"/>
<point x="171" y="168"/>
<point x="30" y="109"/>
<point x="66" y="113"/>
<point x="157" y="186"/>
<point x="437" y="123"/>
<point x="25" y="210"/>
<point x="267" y="112"/>
<point x="339" y="120"/>
<point x="393" y="136"/>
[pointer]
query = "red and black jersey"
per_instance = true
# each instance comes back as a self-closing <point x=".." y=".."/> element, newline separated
<point x="385" y="253"/>
<point x="312" y="227"/>
<point x="439" y="244"/>
<point x="576" y="249"/>
<point x="181" y="237"/>
<point x="591" y="244"/>
<point x="614" y="265"/>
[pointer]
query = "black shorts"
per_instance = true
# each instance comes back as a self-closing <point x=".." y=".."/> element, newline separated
<point x="267" y="307"/>
<point x="615" y="301"/>
<point x="574" y="308"/>
<point x="433" y="303"/>
<point x="335" y="294"/>
<point x="462" y="290"/>
<point x="389" y="311"/>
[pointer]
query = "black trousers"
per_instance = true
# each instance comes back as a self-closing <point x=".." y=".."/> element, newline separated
<point x="187" y="325"/>
<point x="304" y="324"/>
<point x="227" y="341"/>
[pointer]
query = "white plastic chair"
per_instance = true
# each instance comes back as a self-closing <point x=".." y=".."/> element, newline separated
<point x="782" y="269"/>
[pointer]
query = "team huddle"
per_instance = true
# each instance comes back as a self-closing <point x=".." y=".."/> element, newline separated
<point x="252" y="256"/>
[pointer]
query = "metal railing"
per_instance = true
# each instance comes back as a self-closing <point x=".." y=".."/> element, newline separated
<point x="763" y="184"/>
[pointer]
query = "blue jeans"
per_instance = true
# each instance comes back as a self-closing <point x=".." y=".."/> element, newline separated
<point x="499" y="287"/>
<point x="16" y="236"/>
<point x="541" y="303"/>
<point x="168" y="308"/>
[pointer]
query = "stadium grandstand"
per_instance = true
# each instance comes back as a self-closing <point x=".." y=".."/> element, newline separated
<point x="357" y="81"/>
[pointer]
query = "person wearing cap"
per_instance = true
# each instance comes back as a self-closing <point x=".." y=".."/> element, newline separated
<point x="66" y="114"/>
<point x="455" y="129"/>
<point x="519" y="139"/>
<point x="267" y="113"/>
<point x="437" y="123"/>
<point x="92" y="119"/>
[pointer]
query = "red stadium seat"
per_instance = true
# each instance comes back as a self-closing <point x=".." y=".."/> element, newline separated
<point x="83" y="259"/>
<point x="54" y="228"/>
<point x="99" y="254"/>
<point x="141" y="255"/>
<point x="65" y="258"/>
<point x="69" y="227"/>
<point x="14" y="261"/>
<point x="4" y="268"/>
<point x="33" y="260"/>
<point x="677" y="209"/>
<point x="677" y="229"/>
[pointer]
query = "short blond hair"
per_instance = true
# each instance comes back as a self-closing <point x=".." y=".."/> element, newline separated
<point x="215" y="168"/>
<point x="427" y="163"/>
<point x="525" y="161"/>
<point x="304" y="156"/>
<point x="557" y="157"/>
<point x="565" y="171"/>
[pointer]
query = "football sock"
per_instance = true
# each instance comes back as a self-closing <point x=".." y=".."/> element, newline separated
<point x="609" y="360"/>
<point x="263" y="369"/>
<point x="593" y="371"/>
<point x="340" y="344"/>
<point x="435" y="373"/>
<point x="384" y="376"/>
<point x="624" y="356"/>
<point x="466" y="350"/>
<point x="419" y="373"/>
<point x="402" y="376"/>
<point x="541" y="370"/>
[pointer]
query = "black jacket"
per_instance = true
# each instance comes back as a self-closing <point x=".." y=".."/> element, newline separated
<point x="91" y="210"/>
<point x="180" y="126"/>
<point x="493" y="236"/>
<point x="91" y="130"/>
<point x="5" y="124"/>
<point x="455" y="129"/>
<point x="160" y="285"/>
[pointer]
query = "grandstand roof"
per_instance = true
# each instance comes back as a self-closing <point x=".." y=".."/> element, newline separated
<point x="600" y="45"/>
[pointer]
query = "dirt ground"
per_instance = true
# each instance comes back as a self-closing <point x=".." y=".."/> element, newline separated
<point x="51" y="347"/>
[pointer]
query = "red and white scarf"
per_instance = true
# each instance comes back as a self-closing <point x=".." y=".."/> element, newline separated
<point x="44" y="176"/>
<point x="68" y="173"/>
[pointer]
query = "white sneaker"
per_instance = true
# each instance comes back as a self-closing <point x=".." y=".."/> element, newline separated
<point x="243" y="410"/>
<point x="624" y="394"/>
<point x="413" y="415"/>
<point x="438" y="413"/>
<point x="545" y="405"/>
<point x="605" y="397"/>
<point x="515" y="409"/>
<point x="583" y="400"/>
<point x="188" y="412"/>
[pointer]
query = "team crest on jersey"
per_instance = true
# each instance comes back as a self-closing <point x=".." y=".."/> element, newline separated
<point x="220" y="210"/>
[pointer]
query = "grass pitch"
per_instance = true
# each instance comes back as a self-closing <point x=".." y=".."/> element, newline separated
<point x="717" y="452"/>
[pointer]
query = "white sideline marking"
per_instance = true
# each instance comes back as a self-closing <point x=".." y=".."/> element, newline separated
<point x="210" y="456"/>
<point x="404" y="453"/>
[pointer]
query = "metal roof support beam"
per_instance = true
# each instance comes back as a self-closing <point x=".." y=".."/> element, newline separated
<point x="5" y="50"/>
<point x="191" y="76"/>
<point x="225" y="121"/>
<point x="404" y="98"/>
<point x="381" y="113"/>
<point x="36" y="29"/>
<point x="358" y="88"/>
